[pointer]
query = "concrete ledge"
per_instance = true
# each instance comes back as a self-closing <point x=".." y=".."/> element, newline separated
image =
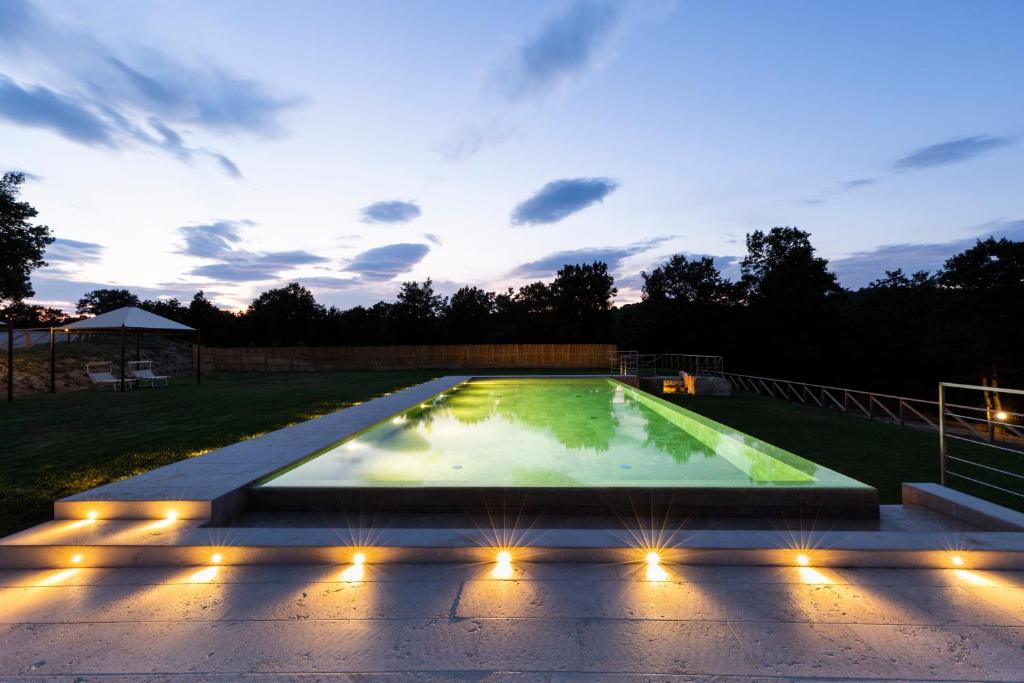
<point x="119" y="543"/>
<point x="963" y="507"/>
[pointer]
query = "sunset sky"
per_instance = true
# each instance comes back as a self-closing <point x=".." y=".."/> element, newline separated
<point x="234" y="146"/>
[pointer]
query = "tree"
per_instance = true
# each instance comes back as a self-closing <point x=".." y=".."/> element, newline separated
<point x="414" y="316"/>
<point x="780" y="268"/>
<point x="468" y="315"/>
<point x="581" y="298"/>
<point x="22" y="244"/>
<point x="31" y="315"/>
<point x="216" y="325"/>
<point x="680" y="279"/>
<point x="104" y="300"/>
<point x="286" y="315"/>
<point x="990" y="265"/>
<point x="172" y="309"/>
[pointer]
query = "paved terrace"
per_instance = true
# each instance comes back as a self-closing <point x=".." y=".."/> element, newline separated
<point x="565" y="622"/>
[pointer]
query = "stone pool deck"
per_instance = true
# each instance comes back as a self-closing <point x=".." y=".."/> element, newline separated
<point x="547" y="622"/>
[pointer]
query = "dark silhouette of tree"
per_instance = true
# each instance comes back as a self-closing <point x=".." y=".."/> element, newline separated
<point x="31" y="315"/>
<point x="283" y="316"/>
<point x="105" y="300"/>
<point x="413" y="318"/>
<point x="172" y="309"/>
<point x="467" y="317"/>
<point x="22" y="244"/>
<point x="581" y="302"/>
<point x="780" y="268"/>
<point x="216" y="325"/>
<point x="684" y="280"/>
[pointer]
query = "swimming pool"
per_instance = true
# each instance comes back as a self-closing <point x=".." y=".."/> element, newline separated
<point x="561" y="443"/>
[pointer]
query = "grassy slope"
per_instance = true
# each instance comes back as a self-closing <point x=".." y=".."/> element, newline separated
<point x="56" y="445"/>
<point x="879" y="454"/>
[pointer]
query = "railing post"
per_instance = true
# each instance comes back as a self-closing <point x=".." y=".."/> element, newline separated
<point x="942" y="434"/>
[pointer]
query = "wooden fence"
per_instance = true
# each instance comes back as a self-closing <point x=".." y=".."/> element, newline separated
<point x="454" y="357"/>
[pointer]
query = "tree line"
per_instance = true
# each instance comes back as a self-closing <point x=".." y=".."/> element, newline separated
<point x="786" y="315"/>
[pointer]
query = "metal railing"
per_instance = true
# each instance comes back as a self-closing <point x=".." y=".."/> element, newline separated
<point x="637" y="364"/>
<point x="872" y="405"/>
<point x="989" y="427"/>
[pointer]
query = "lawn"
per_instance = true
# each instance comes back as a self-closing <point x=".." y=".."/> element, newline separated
<point x="56" y="445"/>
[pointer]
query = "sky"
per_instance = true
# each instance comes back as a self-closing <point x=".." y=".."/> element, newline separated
<point x="231" y="147"/>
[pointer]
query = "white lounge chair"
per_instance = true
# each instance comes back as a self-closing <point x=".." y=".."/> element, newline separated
<point x="101" y="376"/>
<point x="142" y="372"/>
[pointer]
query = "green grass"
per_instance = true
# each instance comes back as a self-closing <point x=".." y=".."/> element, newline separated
<point x="56" y="445"/>
<point x="878" y="454"/>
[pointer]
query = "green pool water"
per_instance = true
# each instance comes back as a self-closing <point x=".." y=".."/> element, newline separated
<point x="553" y="433"/>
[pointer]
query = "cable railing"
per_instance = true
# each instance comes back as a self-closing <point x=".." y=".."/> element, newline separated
<point x="633" y="363"/>
<point x="991" y="439"/>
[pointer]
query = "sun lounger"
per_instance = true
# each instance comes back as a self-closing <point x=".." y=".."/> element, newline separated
<point x="142" y="372"/>
<point x="101" y="377"/>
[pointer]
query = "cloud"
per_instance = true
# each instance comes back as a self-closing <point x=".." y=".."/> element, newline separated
<point x="951" y="152"/>
<point x="39" y="107"/>
<point x="466" y="141"/>
<point x="431" y="237"/>
<point x="564" y="48"/>
<point x="860" y="268"/>
<point x="125" y="96"/>
<point x="560" y="199"/>
<point x="387" y="262"/>
<point x="212" y="240"/>
<point x="613" y="256"/>
<point x="72" y="251"/>
<point x="857" y="182"/>
<point x="393" y="211"/>
<point x="219" y="241"/>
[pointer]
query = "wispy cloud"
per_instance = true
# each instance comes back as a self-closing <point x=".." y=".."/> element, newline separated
<point x="40" y="107"/>
<point x="951" y="152"/>
<point x="212" y="240"/>
<point x="469" y="139"/>
<point x="860" y="268"/>
<point x="391" y="211"/>
<point x="387" y="262"/>
<point x="64" y="249"/>
<point x="431" y="237"/>
<point x="219" y="241"/>
<point x="856" y="183"/>
<point x="613" y="256"/>
<point x="95" y="94"/>
<point x="562" y="50"/>
<point x="559" y="199"/>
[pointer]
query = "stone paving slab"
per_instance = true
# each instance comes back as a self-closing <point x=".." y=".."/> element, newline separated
<point x="460" y="623"/>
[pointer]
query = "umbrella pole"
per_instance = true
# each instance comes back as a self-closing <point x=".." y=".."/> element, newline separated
<point x="10" y="361"/>
<point x="122" y="358"/>
<point x="53" y="362"/>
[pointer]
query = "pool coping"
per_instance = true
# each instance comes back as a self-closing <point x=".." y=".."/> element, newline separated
<point x="217" y="486"/>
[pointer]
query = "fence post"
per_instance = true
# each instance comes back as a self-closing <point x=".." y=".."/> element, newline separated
<point x="942" y="434"/>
